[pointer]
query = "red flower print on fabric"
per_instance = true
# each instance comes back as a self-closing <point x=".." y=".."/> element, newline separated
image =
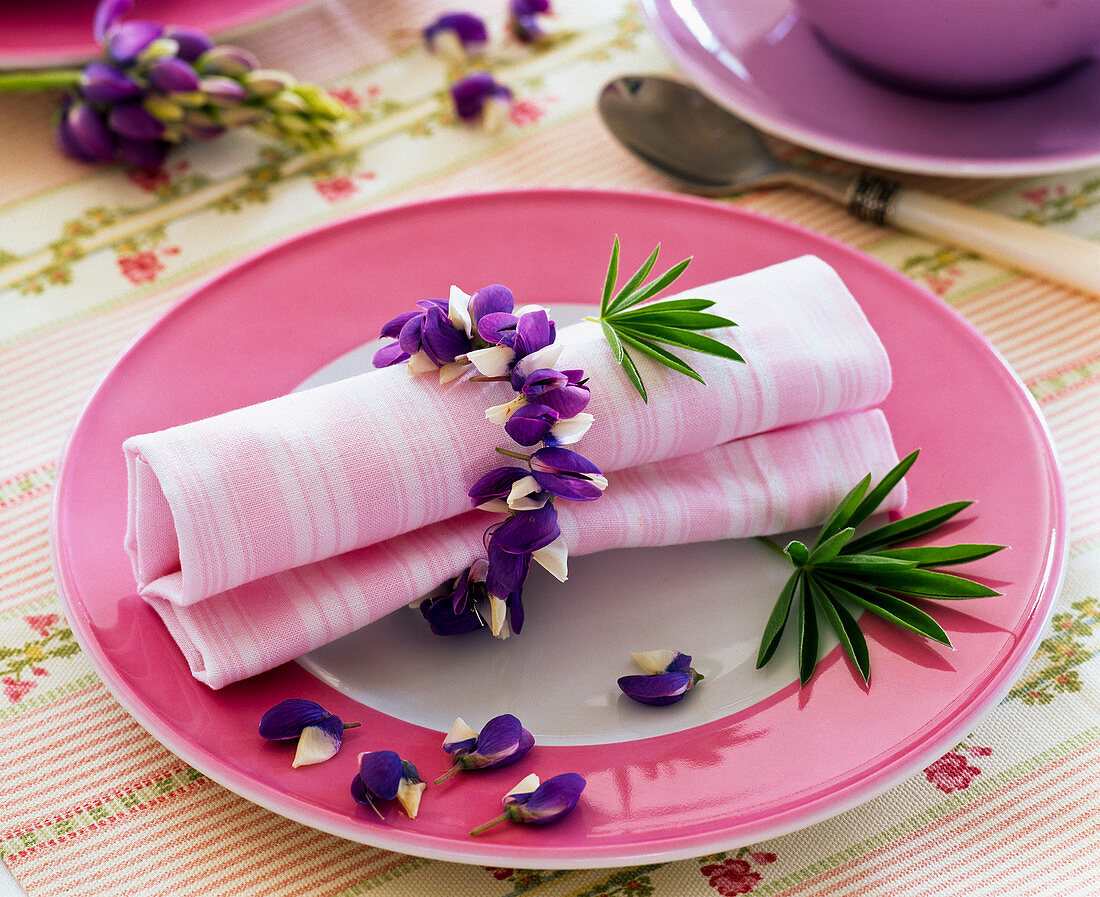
<point x="15" y="690"/>
<point x="731" y="877"/>
<point x="141" y="267"/>
<point x="951" y="772"/>
<point x="41" y="623"/>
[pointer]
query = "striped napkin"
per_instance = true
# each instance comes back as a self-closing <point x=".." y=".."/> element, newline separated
<point x="773" y="482"/>
<point x="226" y="501"/>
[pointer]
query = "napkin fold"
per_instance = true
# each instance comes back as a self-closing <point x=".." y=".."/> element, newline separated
<point x="280" y="486"/>
<point x="778" y="481"/>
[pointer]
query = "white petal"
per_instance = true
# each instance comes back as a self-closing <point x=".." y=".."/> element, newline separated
<point x="498" y="617"/>
<point x="492" y="362"/>
<point x="420" y="363"/>
<point x="458" y="310"/>
<point x="499" y="414"/>
<point x="545" y="357"/>
<point x="496" y="505"/>
<point x="570" y="430"/>
<point x="524" y="786"/>
<point x="600" y="481"/>
<point x="452" y="371"/>
<point x="448" y="46"/>
<point x="654" y="661"/>
<point x="527" y="309"/>
<point x="315" y="745"/>
<point x="521" y="497"/>
<point x="555" y="558"/>
<point x="459" y="731"/>
<point x="408" y="795"/>
<point x="494" y="114"/>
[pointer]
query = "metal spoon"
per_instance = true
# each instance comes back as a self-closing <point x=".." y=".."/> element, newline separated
<point x="680" y="132"/>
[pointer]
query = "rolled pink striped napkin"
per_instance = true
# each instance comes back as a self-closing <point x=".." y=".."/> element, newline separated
<point x="773" y="482"/>
<point x="222" y="502"/>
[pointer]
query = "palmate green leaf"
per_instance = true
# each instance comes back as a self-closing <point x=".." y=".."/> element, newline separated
<point x="650" y="290"/>
<point x="687" y="339"/>
<point x="841" y="571"/>
<point x="663" y="356"/>
<point x="631" y="285"/>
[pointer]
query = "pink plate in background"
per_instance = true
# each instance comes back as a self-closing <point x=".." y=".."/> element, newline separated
<point x="59" y="32"/>
<point x="779" y="764"/>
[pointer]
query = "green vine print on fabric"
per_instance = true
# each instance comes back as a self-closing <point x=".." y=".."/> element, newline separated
<point x="1058" y="654"/>
<point x="22" y="666"/>
<point x="1058" y="204"/>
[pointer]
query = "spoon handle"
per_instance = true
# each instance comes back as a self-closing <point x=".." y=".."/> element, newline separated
<point x="1058" y="257"/>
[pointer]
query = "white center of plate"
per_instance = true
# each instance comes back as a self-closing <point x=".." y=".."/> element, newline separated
<point x="709" y="600"/>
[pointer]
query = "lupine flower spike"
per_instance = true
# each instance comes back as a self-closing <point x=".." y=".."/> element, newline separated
<point x="534" y="804"/>
<point x="383" y="775"/>
<point x="502" y="741"/>
<point x="319" y="732"/>
<point x="157" y="86"/>
<point x="669" y="676"/>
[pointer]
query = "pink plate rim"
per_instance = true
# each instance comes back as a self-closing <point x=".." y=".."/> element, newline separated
<point x="645" y="798"/>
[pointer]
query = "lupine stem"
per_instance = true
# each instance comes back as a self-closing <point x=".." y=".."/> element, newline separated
<point x="764" y="540"/>
<point x="352" y="725"/>
<point x="519" y="456"/>
<point x="20" y="82"/>
<point x="450" y="772"/>
<point x="503" y="817"/>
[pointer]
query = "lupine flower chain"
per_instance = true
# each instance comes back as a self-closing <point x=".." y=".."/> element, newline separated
<point x="157" y="86"/>
<point x="485" y="331"/>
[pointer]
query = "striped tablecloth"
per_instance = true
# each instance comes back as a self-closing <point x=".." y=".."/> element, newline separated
<point x="92" y="804"/>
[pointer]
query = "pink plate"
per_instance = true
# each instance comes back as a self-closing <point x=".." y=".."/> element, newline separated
<point x="776" y="765"/>
<point x="58" y="32"/>
<point x="761" y="60"/>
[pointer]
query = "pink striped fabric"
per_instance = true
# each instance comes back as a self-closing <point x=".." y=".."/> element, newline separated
<point x="773" y="482"/>
<point x="219" y="503"/>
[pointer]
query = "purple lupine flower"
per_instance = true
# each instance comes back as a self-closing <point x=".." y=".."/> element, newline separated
<point x="564" y="391"/>
<point x="157" y="87"/>
<point x="383" y="775"/>
<point x="670" y="676"/>
<point x="460" y="737"/>
<point x="531" y="424"/>
<point x="523" y="19"/>
<point x="502" y="741"/>
<point x="534" y="804"/>
<point x="456" y="36"/>
<point x="444" y="619"/>
<point x="491" y="491"/>
<point x="526" y="532"/>
<point x="319" y="732"/>
<point x="481" y="97"/>
<point x="569" y="474"/>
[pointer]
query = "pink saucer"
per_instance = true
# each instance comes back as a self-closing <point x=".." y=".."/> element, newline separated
<point x="58" y="32"/>
<point x="762" y="62"/>
<point x="772" y="765"/>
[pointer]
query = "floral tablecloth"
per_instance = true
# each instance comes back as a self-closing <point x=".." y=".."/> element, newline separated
<point x="92" y="804"/>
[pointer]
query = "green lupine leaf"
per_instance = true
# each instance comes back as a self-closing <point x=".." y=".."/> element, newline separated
<point x="633" y="375"/>
<point x="669" y="305"/>
<point x="777" y="621"/>
<point x="664" y="357"/>
<point x="612" y="340"/>
<point x="842" y="571"/>
<point x="635" y="281"/>
<point x="610" y="278"/>
<point x="686" y="320"/>
<point x="648" y="292"/>
<point x="687" y="339"/>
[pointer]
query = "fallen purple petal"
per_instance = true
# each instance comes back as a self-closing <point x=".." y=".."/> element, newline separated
<point x="288" y="718"/>
<point x="658" y="689"/>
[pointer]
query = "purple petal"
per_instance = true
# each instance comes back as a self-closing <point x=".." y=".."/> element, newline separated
<point x="380" y="773"/>
<point x="571" y="487"/>
<point x="531" y="424"/>
<point x="470" y="29"/>
<point x="287" y="718"/>
<point x="222" y="91"/>
<point x="498" y="328"/>
<point x="103" y="83"/>
<point x="391" y="354"/>
<point x="470" y="93"/>
<point x="106" y="14"/>
<point x="562" y="460"/>
<point x="543" y="380"/>
<point x="493" y="299"/>
<point x="502" y="741"/>
<point x="548" y="803"/>
<point x="507" y="571"/>
<point x="658" y="689"/>
<point x="173" y="75"/>
<point x="411" y="334"/>
<point x="146" y="154"/>
<point x="126" y="40"/>
<point x="392" y="328"/>
<point x="443" y="619"/>
<point x="527" y="531"/>
<point x="497" y="483"/>
<point x="85" y="131"/>
<point x="426" y="304"/>
<point x="680" y="663"/>
<point x="569" y="401"/>
<point x="134" y="121"/>
<point x="192" y="42"/>
<point x="528" y="7"/>
<point x="515" y="610"/>
<point x="534" y="331"/>
<point x="440" y="339"/>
